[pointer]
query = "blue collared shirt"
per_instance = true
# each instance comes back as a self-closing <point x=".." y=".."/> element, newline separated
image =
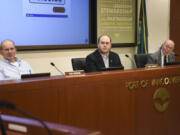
<point x="8" y="71"/>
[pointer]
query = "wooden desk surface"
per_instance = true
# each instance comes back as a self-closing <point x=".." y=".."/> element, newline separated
<point x="114" y="102"/>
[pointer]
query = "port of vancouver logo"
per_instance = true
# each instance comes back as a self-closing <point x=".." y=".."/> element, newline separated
<point x="161" y="99"/>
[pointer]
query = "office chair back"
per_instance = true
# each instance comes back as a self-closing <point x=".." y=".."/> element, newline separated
<point x="140" y="60"/>
<point x="78" y="63"/>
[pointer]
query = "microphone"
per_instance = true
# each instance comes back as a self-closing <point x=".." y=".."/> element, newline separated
<point x="7" y="105"/>
<point x="131" y="59"/>
<point x="52" y="64"/>
<point x="12" y="106"/>
<point x="2" y="127"/>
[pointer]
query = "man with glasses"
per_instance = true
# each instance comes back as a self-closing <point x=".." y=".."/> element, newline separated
<point x="164" y="55"/>
<point x="12" y="67"/>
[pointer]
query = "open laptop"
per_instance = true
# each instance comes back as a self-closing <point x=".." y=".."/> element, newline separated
<point x="23" y="76"/>
<point x="173" y="63"/>
<point x="111" y="68"/>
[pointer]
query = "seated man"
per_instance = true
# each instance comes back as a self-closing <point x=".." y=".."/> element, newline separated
<point x="163" y="55"/>
<point x="102" y="57"/>
<point x="12" y="67"/>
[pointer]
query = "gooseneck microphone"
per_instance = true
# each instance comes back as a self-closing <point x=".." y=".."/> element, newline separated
<point x="2" y="127"/>
<point x="12" y="106"/>
<point x="52" y="64"/>
<point x="131" y="59"/>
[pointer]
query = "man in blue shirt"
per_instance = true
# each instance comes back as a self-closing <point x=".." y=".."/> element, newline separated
<point x="12" y="67"/>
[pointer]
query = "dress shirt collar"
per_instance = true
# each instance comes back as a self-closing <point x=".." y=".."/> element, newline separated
<point x="7" y="61"/>
<point x="105" y="59"/>
<point x="105" y="56"/>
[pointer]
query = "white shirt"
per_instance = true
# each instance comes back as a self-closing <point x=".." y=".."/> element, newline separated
<point x="106" y="60"/>
<point x="10" y="70"/>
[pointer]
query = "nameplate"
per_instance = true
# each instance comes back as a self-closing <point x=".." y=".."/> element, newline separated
<point x="151" y="65"/>
<point x="76" y="72"/>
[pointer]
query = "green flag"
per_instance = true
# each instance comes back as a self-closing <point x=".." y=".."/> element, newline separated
<point x="143" y="29"/>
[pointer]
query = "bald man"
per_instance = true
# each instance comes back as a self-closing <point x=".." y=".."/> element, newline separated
<point x="164" y="55"/>
<point x="12" y="67"/>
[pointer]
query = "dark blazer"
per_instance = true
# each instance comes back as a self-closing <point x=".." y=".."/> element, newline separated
<point x="155" y="58"/>
<point x="94" y="61"/>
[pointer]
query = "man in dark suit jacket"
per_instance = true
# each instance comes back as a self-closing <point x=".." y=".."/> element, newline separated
<point x="165" y="52"/>
<point x="102" y="57"/>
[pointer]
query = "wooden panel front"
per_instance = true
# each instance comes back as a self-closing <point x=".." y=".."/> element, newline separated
<point x="116" y="102"/>
<point x="174" y="25"/>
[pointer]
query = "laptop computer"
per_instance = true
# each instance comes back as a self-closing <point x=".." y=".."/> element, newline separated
<point x="173" y="63"/>
<point x="23" y="76"/>
<point x="111" y="68"/>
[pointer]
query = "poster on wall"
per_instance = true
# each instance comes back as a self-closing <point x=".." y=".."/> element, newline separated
<point x="117" y="18"/>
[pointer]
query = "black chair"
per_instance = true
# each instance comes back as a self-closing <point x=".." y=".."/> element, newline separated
<point x="79" y="63"/>
<point x="141" y="60"/>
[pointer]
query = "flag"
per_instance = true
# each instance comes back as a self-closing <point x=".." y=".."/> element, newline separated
<point x="143" y="29"/>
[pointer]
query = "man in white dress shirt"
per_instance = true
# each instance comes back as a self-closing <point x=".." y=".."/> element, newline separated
<point x="12" y="67"/>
